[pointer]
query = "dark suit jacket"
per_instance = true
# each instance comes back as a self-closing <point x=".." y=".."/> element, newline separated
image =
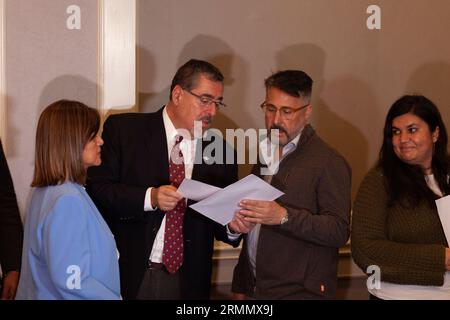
<point x="11" y="231"/>
<point x="134" y="158"/>
<point x="298" y="260"/>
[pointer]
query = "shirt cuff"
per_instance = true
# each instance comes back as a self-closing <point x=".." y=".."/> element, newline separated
<point x="232" y="236"/>
<point x="148" y="200"/>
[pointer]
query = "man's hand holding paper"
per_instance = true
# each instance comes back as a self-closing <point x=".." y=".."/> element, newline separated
<point x="262" y="212"/>
<point x="165" y="197"/>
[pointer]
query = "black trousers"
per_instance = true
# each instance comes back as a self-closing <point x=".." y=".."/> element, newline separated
<point x="159" y="284"/>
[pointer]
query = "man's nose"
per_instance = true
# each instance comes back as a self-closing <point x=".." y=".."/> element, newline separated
<point x="277" y="117"/>
<point x="212" y="109"/>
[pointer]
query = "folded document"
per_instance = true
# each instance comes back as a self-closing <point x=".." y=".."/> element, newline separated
<point x="220" y="205"/>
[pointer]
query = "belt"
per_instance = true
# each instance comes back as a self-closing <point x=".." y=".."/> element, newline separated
<point x="155" y="265"/>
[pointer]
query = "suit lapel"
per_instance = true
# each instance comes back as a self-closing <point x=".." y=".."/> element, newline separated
<point x="155" y="144"/>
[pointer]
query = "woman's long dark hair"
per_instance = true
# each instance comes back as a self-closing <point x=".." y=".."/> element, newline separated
<point x="406" y="184"/>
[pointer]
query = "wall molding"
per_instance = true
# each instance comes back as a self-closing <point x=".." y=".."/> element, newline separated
<point x="117" y="56"/>
<point x="2" y="75"/>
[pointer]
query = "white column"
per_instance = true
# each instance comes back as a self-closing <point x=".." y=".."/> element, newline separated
<point x="117" y="56"/>
<point x="2" y="75"/>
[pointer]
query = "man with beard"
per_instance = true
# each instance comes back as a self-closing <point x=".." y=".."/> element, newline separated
<point x="165" y="247"/>
<point x="292" y="253"/>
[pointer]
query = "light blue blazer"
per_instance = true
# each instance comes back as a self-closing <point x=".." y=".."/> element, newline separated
<point x="68" y="250"/>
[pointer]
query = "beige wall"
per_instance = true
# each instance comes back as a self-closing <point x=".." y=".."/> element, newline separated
<point x="358" y="73"/>
<point x="45" y="62"/>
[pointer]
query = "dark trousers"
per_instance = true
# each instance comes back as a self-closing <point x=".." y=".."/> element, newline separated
<point x="159" y="284"/>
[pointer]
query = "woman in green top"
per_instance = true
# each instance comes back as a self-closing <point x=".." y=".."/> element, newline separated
<point x="397" y="235"/>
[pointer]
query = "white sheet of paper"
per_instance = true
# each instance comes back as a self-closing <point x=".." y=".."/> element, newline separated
<point x="196" y="190"/>
<point x="222" y="205"/>
<point x="443" y="207"/>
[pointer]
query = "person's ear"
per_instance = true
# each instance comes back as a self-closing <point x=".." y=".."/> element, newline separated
<point x="177" y="94"/>
<point x="308" y="112"/>
<point x="435" y="135"/>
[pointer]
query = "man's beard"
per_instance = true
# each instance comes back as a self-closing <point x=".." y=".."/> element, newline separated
<point x="280" y="130"/>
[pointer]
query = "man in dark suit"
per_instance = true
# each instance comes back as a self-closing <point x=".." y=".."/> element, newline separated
<point x="135" y="190"/>
<point x="11" y="232"/>
<point x="292" y="253"/>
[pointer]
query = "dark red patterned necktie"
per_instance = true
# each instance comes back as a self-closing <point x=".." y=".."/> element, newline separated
<point x="173" y="236"/>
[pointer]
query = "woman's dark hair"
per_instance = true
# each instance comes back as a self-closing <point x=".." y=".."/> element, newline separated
<point x="406" y="184"/>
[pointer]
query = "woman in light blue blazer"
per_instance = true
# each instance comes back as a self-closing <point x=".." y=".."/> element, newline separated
<point x="68" y="251"/>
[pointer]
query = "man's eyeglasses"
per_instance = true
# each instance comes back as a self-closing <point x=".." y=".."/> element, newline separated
<point x="206" y="101"/>
<point x="285" y="112"/>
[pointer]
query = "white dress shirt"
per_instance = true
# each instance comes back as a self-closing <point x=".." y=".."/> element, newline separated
<point x="187" y="147"/>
